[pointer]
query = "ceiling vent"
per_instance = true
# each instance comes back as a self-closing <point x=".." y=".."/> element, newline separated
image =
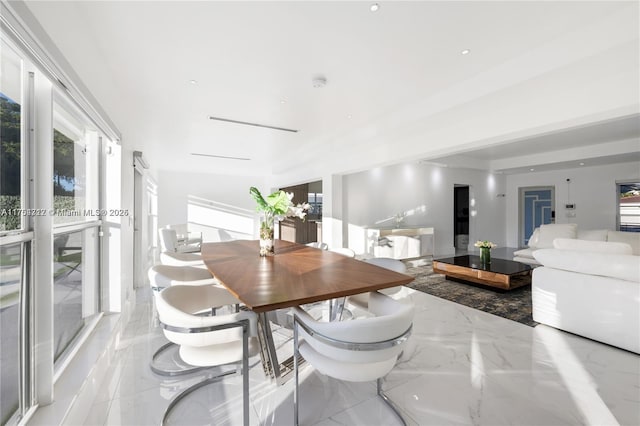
<point x="246" y="123"/>
<point x="220" y="156"/>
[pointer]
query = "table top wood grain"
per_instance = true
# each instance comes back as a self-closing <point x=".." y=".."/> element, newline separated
<point x="296" y="275"/>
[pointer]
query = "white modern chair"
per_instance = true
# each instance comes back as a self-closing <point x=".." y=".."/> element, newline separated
<point x="344" y="251"/>
<point x="169" y="242"/>
<point x="181" y="259"/>
<point x="356" y="351"/>
<point x="208" y="341"/>
<point x="362" y="300"/>
<point x="184" y="236"/>
<point x="336" y="307"/>
<point x="318" y="245"/>
<point x="163" y="276"/>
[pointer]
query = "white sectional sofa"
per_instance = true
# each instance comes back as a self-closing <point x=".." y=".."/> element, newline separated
<point x="544" y="236"/>
<point x="589" y="288"/>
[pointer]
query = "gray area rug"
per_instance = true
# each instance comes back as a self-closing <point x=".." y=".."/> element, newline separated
<point x="513" y="304"/>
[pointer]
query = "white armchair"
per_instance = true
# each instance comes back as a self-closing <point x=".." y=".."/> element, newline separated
<point x="356" y="351"/>
<point x="208" y="340"/>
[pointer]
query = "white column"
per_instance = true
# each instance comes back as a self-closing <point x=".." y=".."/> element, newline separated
<point x="333" y="229"/>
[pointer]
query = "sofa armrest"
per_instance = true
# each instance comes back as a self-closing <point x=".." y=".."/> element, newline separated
<point x="620" y="266"/>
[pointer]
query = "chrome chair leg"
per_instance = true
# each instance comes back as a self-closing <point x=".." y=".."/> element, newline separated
<point x="190" y="390"/>
<point x="170" y="373"/>
<point x="244" y="371"/>
<point x="296" y="354"/>
<point x="389" y="403"/>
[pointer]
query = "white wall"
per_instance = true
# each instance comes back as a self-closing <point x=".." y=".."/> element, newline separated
<point x="592" y="189"/>
<point x="218" y="206"/>
<point x="426" y="193"/>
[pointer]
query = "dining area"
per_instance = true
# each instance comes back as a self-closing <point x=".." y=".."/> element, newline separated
<point x="459" y="365"/>
<point x="227" y="306"/>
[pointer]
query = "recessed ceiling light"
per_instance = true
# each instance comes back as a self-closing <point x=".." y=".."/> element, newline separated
<point x="374" y="7"/>
<point x="465" y="52"/>
<point x="582" y="164"/>
<point x="532" y="170"/>
<point x="283" y="101"/>
<point x="193" y="81"/>
<point x="349" y="116"/>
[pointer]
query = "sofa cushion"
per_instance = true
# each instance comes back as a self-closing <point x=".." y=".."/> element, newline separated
<point x="526" y="260"/>
<point x="592" y="234"/>
<point x="533" y="239"/>
<point x="550" y="232"/>
<point x="631" y="238"/>
<point x="591" y="246"/>
<point x="528" y="252"/>
<point x="623" y="267"/>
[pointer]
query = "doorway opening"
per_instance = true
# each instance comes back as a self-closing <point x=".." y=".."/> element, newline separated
<point x="310" y="230"/>
<point x="460" y="217"/>
<point x="536" y="207"/>
<point x="628" y="194"/>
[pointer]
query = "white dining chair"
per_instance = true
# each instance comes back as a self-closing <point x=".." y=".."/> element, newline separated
<point x="184" y="236"/>
<point x="208" y="341"/>
<point x="344" y="251"/>
<point x="318" y="245"/>
<point x="163" y="276"/>
<point x="336" y="307"/>
<point x="355" y="351"/>
<point x="169" y="242"/>
<point x="181" y="259"/>
<point x="361" y="300"/>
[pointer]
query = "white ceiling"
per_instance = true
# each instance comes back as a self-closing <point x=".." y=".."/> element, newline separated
<point x="255" y="61"/>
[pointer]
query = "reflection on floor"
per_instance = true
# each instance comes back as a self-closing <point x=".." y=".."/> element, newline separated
<point x="462" y="366"/>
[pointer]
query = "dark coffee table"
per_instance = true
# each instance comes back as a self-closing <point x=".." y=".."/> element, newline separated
<point x="500" y="273"/>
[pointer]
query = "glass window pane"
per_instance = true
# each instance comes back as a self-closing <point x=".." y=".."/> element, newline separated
<point x="10" y="283"/>
<point x="75" y="285"/>
<point x="75" y="166"/>
<point x="69" y="178"/>
<point x="10" y="138"/>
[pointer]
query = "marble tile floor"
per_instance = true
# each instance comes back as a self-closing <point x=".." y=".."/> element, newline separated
<point x="461" y="367"/>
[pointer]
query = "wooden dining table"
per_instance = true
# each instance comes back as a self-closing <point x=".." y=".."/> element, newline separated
<point x="295" y="275"/>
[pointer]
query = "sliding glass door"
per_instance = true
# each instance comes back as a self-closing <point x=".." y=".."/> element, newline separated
<point x="15" y="242"/>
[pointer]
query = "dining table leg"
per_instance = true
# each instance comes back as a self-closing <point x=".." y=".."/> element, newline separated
<point x="268" y="353"/>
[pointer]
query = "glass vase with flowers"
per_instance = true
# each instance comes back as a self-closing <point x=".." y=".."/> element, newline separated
<point x="275" y="206"/>
<point x="485" y="251"/>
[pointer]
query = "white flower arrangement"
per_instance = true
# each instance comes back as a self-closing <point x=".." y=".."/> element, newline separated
<point x="485" y="244"/>
<point x="278" y="206"/>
